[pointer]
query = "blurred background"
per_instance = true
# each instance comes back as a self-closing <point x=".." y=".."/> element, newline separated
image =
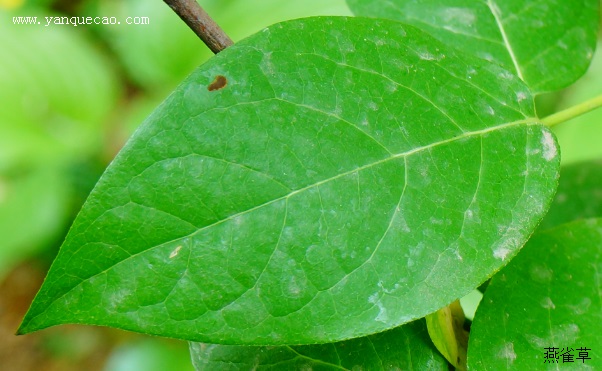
<point x="69" y="98"/>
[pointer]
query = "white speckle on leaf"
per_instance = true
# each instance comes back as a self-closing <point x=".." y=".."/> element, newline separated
<point x="117" y="298"/>
<point x="436" y="221"/>
<point x="426" y="56"/>
<point x="388" y="291"/>
<point x="505" y="75"/>
<point x="488" y="57"/>
<point x="463" y="16"/>
<point x="547" y="303"/>
<point x="293" y="287"/>
<point x="501" y="252"/>
<point x="541" y="273"/>
<point x="536" y="342"/>
<point x="175" y="252"/>
<point x="582" y="307"/>
<point x="457" y="253"/>
<point x="392" y="87"/>
<point x="313" y="255"/>
<point x="403" y="224"/>
<point x="507" y="352"/>
<point x="382" y="311"/>
<point x="549" y="147"/>
<point x="566" y="334"/>
<point x="521" y="96"/>
<point x="490" y="110"/>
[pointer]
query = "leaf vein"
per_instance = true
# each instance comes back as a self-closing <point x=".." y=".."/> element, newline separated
<point x="284" y="197"/>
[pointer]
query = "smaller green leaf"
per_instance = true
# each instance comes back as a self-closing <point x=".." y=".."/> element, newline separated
<point x="547" y="297"/>
<point x="579" y="194"/>
<point x="548" y="44"/>
<point x="403" y="348"/>
<point x="471" y="301"/>
<point x="445" y="327"/>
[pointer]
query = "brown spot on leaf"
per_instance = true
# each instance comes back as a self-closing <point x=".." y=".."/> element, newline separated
<point x="219" y="83"/>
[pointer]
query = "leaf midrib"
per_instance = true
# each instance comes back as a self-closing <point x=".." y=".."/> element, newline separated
<point x="526" y="121"/>
<point x="493" y="7"/>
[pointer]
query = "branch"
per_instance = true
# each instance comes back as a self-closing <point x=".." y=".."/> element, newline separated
<point x="199" y="21"/>
<point x="573" y="112"/>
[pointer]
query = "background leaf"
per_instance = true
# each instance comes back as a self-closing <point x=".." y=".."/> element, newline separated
<point x="548" y="43"/>
<point x="446" y="330"/>
<point x="579" y="194"/>
<point x="33" y="205"/>
<point x="321" y="195"/>
<point x="579" y="138"/>
<point x="56" y="93"/>
<point x="404" y="348"/>
<point x="548" y="296"/>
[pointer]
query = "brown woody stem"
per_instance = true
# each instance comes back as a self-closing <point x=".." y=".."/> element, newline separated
<point x="201" y="23"/>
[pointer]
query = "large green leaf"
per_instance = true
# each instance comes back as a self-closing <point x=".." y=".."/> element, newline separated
<point x="404" y="348"/>
<point x="579" y="194"/>
<point x="326" y="178"/>
<point x="547" y="43"/>
<point x="548" y="296"/>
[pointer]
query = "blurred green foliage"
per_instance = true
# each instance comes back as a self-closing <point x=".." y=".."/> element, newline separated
<point x="57" y="93"/>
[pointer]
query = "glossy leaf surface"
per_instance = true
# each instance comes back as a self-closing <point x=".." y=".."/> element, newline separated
<point x="404" y="348"/>
<point x="549" y="43"/>
<point x="298" y="189"/>
<point x="548" y="296"/>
